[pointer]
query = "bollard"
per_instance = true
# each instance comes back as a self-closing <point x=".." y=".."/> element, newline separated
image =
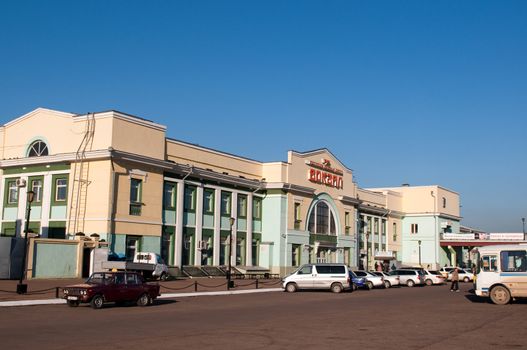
<point x="257" y="283"/>
<point x="57" y="292"/>
<point x="195" y="286"/>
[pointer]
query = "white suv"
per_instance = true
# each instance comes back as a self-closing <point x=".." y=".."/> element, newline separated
<point x="409" y="278"/>
<point x="334" y="277"/>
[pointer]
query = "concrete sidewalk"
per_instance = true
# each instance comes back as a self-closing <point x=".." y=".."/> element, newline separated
<point x="45" y="291"/>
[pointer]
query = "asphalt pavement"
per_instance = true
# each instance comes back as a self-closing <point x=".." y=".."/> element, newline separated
<point x="395" y="318"/>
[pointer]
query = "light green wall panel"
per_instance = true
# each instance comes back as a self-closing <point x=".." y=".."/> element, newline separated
<point x="225" y="223"/>
<point x="151" y="244"/>
<point x="208" y="221"/>
<point x="118" y="244"/>
<point x="242" y="224"/>
<point x="58" y="212"/>
<point x="274" y="210"/>
<point x="36" y="213"/>
<point x="10" y="213"/>
<point x="169" y="217"/>
<point x="46" y="264"/>
<point x="189" y="219"/>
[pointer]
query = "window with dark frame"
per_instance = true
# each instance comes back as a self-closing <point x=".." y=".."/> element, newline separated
<point x="135" y="196"/>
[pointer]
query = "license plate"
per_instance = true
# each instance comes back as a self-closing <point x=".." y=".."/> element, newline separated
<point x="73" y="298"/>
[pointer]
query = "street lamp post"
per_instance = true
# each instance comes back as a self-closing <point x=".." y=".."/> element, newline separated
<point x="419" y="243"/>
<point x="21" y="288"/>
<point x="230" y="282"/>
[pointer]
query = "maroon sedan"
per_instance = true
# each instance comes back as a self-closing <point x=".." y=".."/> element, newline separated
<point x="118" y="287"/>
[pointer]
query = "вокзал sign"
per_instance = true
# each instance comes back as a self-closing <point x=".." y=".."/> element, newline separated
<point x="323" y="173"/>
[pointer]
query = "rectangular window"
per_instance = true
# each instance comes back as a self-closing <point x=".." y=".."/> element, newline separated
<point x="444" y="202"/>
<point x="376" y="226"/>
<point x="135" y="196"/>
<point x="61" y="190"/>
<point x="132" y="246"/>
<point x="36" y="187"/>
<point x="394" y="231"/>
<point x="295" y="254"/>
<point x="225" y="203"/>
<point x="12" y="195"/>
<point x="347" y="223"/>
<point x="297" y="216"/>
<point x="257" y="208"/>
<point x="190" y="198"/>
<point x="514" y="261"/>
<point x="414" y="228"/>
<point x="489" y="263"/>
<point x="208" y="201"/>
<point x="242" y="206"/>
<point x="169" y="195"/>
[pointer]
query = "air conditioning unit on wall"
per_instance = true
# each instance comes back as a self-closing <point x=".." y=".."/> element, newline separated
<point x="21" y="182"/>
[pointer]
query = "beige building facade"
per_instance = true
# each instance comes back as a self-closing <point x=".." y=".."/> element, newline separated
<point x="119" y="178"/>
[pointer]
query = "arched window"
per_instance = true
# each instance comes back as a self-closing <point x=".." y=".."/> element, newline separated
<point x="37" y="149"/>
<point x="322" y="220"/>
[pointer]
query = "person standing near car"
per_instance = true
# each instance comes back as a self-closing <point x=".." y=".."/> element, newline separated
<point x="455" y="280"/>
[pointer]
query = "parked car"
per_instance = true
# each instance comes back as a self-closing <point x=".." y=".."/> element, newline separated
<point x="464" y="275"/>
<point x="446" y="270"/>
<point x="433" y="277"/>
<point x="118" y="287"/>
<point x="375" y="281"/>
<point x="334" y="277"/>
<point x="409" y="277"/>
<point x="359" y="282"/>
<point x="389" y="280"/>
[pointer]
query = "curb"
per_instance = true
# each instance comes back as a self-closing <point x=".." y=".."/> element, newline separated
<point x="163" y="296"/>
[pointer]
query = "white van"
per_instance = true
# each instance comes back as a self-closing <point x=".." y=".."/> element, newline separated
<point x="501" y="272"/>
<point x="334" y="277"/>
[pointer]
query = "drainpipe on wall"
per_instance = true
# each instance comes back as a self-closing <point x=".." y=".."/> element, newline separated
<point x="436" y="240"/>
<point x="112" y="201"/>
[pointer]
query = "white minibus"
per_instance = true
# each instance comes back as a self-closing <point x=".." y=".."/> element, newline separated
<point x="501" y="272"/>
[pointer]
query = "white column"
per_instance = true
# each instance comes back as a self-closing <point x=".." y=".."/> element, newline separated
<point x="179" y="223"/>
<point x="46" y="205"/>
<point x="217" y="228"/>
<point x="249" y="241"/>
<point x="199" y="224"/>
<point x="234" y="229"/>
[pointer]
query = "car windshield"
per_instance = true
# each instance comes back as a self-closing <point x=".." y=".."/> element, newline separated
<point x="96" y="278"/>
<point x="352" y="274"/>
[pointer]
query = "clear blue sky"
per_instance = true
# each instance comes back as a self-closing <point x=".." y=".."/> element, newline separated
<point x="419" y="92"/>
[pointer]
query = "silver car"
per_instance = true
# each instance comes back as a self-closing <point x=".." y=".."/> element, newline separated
<point x="389" y="280"/>
<point x="409" y="278"/>
<point x="374" y="280"/>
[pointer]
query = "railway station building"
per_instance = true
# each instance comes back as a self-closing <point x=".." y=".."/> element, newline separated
<point x="116" y="178"/>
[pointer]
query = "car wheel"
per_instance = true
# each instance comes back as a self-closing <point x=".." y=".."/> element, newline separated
<point x="336" y="288"/>
<point x="369" y="285"/>
<point x="387" y="284"/>
<point x="97" y="302"/>
<point x="429" y="282"/>
<point x="410" y="283"/>
<point x="291" y="287"/>
<point x="143" y="300"/>
<point x="466" y="279"/>
<point x="163" y="277"/>
<point x="73" y="303"/>
<point x="500" y="295"/>
<point x="354" y="287"/>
